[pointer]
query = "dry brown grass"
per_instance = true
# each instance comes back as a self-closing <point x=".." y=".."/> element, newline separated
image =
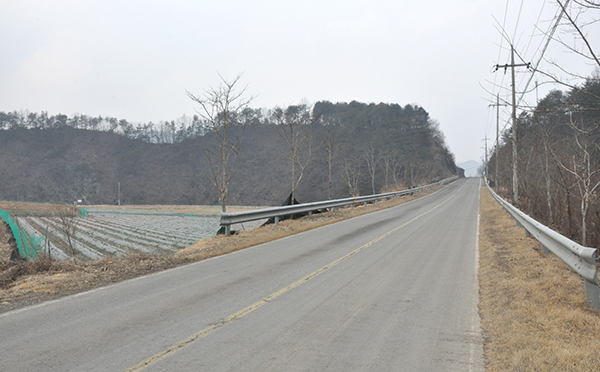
<point x="209" y="210"/>
<point x="44" y="209"/>
<point x="38" y="209"/>
<point x="5" y="249"/>
<point x="10" y="206"/>
<point x="32" y="282"/>
<point x="533" y="310"/>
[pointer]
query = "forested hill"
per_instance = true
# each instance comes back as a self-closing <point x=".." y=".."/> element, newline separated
<point x="558" y="162"/>
<point x="359" y="147"/>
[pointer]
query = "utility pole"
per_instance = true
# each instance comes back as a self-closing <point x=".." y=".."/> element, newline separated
<point x="485" y="168"/>
<point x="515" y="136"/>
<point x="497" y="104"/>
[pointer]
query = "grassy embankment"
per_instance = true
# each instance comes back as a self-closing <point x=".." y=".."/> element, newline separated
<point x="533" y="310"/>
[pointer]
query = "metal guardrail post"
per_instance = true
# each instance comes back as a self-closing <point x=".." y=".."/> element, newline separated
<point x="592" y="293"/>
<point x="581" y="259"/>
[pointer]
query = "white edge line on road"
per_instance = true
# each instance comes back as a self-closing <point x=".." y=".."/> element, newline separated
<point x="475" y="361"/>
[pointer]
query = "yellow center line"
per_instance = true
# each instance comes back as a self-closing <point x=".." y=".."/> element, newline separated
<point x="207" y="331"/>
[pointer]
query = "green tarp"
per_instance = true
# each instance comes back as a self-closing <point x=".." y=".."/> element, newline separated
<point x="28" y="244"/>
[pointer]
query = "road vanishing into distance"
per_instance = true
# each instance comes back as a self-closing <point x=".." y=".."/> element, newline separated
<point x="394" y="290"/>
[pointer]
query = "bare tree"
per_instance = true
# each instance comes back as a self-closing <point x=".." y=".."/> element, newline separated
<point x="67" y="219"/>
<point x="577" y="25"/>
<point x="589" y="3"/>
<point x="330" y="142"/>
<point x="351" y="175"/>
<point x="390" y="161"/>
<point x="543" y="133"/>
<point x="372" y="157"/>
<point x="548" y="179"/>
<point x="220" y="109"/>
<point x="584" y="167"/>
<point x="294" y="126"/>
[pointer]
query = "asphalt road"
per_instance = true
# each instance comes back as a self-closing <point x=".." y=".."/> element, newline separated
<point x="394" y="290"/>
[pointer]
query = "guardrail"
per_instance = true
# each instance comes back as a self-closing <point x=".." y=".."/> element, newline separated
<point x="227" y="219"/>
<point x="579" y="258"/>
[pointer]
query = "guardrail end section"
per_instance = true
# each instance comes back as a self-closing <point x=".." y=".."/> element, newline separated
<point x="592" y="294"/>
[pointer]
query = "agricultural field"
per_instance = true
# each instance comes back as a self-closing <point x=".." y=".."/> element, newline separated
<point x="103" y="234"/>
<point x="94" y="232"/>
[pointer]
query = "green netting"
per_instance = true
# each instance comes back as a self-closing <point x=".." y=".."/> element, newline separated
<point x="83" y="212"/>
<point x="28" y="244"/>
<point x="222" y="230"/>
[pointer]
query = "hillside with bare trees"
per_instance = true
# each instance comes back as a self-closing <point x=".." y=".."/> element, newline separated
<point x="559" y="161"/>
<point x="349" y="148"/>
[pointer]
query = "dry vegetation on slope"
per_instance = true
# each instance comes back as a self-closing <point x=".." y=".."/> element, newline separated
<point x="533" y="310"/>
<point x="32" y="282"/>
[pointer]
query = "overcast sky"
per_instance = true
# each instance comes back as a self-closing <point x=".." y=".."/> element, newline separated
<point x="135" y="60"/>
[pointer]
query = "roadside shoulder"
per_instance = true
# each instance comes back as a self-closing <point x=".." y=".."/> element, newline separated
<point x="534" y="315"/>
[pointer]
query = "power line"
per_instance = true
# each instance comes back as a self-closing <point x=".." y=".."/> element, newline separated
<point x="518" y="19"/>
<point x="549" y="36"/>
<point x="502" y="27"/>
<point x="548" y="40"/>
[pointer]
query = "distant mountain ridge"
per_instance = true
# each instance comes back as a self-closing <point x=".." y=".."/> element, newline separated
<point x="471" y="168"/>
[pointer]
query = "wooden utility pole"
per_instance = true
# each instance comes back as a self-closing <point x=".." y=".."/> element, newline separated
<point x="515" y="136"/>
<point x="497" y="104"/>
<point x="485" y="168"/>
